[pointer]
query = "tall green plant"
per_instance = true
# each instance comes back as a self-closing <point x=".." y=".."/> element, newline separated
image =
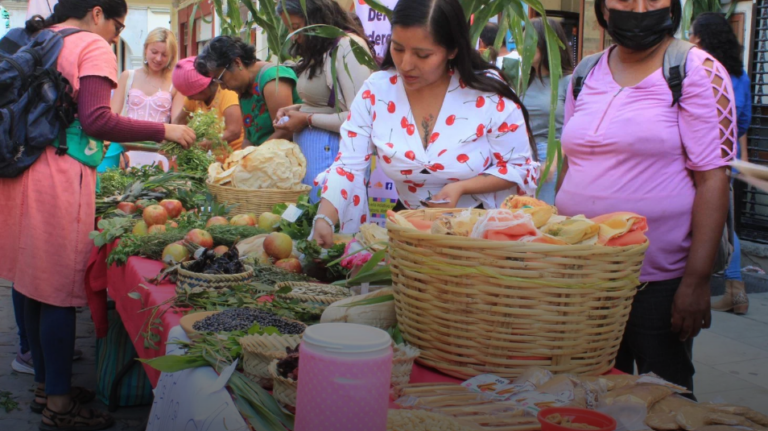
<point x="694" y="8"/>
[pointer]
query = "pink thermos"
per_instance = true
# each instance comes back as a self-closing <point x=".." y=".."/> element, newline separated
<point x="344" y="375"/>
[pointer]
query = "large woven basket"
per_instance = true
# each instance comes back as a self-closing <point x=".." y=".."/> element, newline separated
<point x="255" y="201"/>
<point x="195" y="282"/>
<point x="474" y="306"/>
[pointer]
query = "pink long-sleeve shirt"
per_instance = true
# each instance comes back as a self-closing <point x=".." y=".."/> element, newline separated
<point x="628" y="149"/>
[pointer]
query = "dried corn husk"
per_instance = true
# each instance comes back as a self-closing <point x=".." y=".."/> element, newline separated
<point x="380" y="315"/>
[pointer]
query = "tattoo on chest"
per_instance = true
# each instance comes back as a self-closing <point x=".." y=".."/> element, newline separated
<point x="426" y="125"/>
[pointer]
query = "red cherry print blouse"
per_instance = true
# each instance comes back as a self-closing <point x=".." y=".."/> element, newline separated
<point x="475" y="134"/>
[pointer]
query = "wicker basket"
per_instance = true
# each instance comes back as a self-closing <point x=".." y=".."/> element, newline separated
<point x="321" y="299"/>
<point x="474" y="306"/>
<point x="402" y="364"/>
<point x="284" y="390"/>
<point x="255" y="201"/>
<point x="260" y="350"/>
<point x="194" y="282"/>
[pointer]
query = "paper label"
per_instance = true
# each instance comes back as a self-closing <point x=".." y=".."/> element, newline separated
<point x="292" y="213"/>
<point x="497" y="387"/>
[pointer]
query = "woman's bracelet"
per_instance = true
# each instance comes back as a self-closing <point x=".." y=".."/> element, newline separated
<point x="309" y="121"/>
<point x="325" y="219"/>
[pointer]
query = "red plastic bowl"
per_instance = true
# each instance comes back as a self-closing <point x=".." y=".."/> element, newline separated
<point x="579" y="416"/>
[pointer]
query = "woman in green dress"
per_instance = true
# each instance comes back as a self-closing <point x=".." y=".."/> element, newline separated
<point x="263" y="87"/>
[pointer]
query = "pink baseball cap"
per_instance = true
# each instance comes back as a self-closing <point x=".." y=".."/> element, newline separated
<point x="186" y="79"/>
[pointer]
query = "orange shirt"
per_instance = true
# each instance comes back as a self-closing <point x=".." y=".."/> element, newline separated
<point x="223" y="100"/>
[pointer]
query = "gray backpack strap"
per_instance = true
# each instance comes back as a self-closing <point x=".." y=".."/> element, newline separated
<point x="674" y="67"/>
<point x="582" y="71"/>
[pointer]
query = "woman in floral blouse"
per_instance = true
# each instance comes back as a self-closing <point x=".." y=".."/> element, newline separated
<point x="445" y="126"/>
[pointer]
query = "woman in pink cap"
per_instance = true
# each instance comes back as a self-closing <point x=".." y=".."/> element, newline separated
<point x="203" y="94"/>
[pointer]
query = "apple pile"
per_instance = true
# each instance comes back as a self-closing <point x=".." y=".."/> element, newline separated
<point x="154" y="218"/>
<point x="278" y="248"/>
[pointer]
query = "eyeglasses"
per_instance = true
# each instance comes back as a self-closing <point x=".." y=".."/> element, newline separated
<point x="119" y="26"/>
<point x="218" y="80"/>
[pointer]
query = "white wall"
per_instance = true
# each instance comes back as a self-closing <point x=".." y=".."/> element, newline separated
<point x="139" y="22"/>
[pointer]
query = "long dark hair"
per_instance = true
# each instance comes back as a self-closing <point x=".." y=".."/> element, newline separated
<point x="446" y="22"/>
<point x="566" y="61"/>
<point x="313" y="48"/>
<point x="675" y="6"/>
<point x="717" y="38"/>
<point x="78" y="9"/>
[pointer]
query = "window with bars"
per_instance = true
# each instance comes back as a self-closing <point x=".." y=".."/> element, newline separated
<point x="751" y="205"/>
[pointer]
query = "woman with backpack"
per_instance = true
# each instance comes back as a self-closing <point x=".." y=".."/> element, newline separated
<point x="50" y="208"/>
<point x="636" y="141"/>
<point x="264" y="88"/>
<point x="712" y="33"/>
<point x="316" y="122"/>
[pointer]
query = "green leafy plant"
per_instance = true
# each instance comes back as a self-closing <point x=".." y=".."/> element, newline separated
<point x="111" y="229"/>
<point x="694" y="8"/>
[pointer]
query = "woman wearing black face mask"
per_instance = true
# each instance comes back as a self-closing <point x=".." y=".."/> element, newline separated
<point x="628" y="147"/>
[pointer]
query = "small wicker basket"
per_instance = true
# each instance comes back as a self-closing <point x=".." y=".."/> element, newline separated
<point x="284" y="390"/>
<point x="318" y="294"/>
<point x="260" y="350"/>
<point x="475" y="306"/>
<point x="194" y="282"/>
<point x="255" y="201"/>
<point x="403" y="358"/>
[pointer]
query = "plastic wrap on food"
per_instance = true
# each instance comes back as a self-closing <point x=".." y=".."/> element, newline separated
<point x="645" y="394"/>
<point x="692" y="418"/>
<point x="671" y="404"/>
<point x="588" y="393"/>
<point x="534" y="376"/>
<point x="757" y="418"/>
<point x="662" y="421"/>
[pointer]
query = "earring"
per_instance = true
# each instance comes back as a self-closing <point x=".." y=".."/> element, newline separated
<point x="146" y="62"/>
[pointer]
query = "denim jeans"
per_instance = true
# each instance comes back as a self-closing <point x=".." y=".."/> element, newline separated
<point x="649" y="341"/>
<point x="18" y="312"/>
<point x="51" y="334"/>
<point x="733" y="272"/>
<point x="546" y="189"/>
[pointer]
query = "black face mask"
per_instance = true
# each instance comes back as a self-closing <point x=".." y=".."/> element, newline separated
<point x="639" y="31"/>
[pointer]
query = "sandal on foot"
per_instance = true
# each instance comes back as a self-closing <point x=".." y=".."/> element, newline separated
<point x="79" y="395"/>
<point x="78" y="418"/>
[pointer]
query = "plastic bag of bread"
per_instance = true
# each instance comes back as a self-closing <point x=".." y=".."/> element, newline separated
<point x="535" y="376"/>
<point x="692" y="417"/>
<point x="719" y="418"/>
<point x="558" y="385"/>
<point x="662" y="421"/>
<point x="645" y="394"/>
<point x="757" y="418"/>
<point x="275" y="164"/>
<point x="671" y="404"/>
<point x="456" y="224"/>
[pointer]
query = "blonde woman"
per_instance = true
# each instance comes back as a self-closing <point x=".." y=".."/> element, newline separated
<point x="147" y="93"/>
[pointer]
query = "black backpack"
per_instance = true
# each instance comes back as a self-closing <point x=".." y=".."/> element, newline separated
<point x="674" y="73"/>
<point x="35" y="102"/>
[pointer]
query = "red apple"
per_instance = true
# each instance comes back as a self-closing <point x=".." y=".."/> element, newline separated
<point x="127" y="207"/>
<point x="218" y="220"/>
<point x="290" y="264"/>
<point x="220" y="250"/>
<point x="200" y="237"/>
<point x="243" y="220"/>
<point x="154" y="214"/>
<point x="143" y="203"/>
<point x="172" y="206"/>
<point x="171" y="225"/>
<point x="278" y="245"/>
<point x="157" y="228"/>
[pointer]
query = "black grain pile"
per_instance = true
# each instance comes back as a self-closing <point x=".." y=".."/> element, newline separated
<point x="242" y="319"/>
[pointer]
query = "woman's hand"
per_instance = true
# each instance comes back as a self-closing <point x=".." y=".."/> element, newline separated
<point x="451" y="192"/>
<point x="182" y="135"/>
<point x="323" y="234"/>
<point x="297" y="121"/>
<point x="205" y="144"/>
<point x="282" y="112"/>
<point x="691" y="309"/>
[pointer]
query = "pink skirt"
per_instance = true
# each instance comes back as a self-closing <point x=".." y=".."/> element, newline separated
<point x="46" y="215"/>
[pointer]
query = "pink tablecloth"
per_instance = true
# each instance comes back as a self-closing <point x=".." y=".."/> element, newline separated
<point x="135" y="313"/>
